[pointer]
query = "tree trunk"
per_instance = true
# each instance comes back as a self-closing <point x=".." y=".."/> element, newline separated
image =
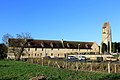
<point x="17" y="57"/>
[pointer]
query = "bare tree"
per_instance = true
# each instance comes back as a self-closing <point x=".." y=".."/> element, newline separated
<point x="5" y="38"/>
<point x="24" y="36"/>
<point x="19" y="44"/>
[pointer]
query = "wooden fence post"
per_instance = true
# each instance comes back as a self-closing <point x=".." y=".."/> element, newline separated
<point x="66" y="64"/>
<point x="42" y="62"/>
<point x="76" y="66"/>
<point x="57" y="64"/>
<point x="82" y="66"/>
<point x="32" y="60"/>
<point x="72" y="67"/>
<point x="91" y="67"/>
<point x="37" y="61"/>
<point x="48" y="63"/>
<point x="108" y="67"/>
<point x="115" y="68"/>
<point x="63" y="65"/>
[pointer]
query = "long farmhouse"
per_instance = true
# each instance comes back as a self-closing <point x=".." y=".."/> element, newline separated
<point x="53" y="48"/>
<point x="60" y="48"/>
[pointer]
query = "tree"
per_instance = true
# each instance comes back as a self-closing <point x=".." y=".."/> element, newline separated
<point x="18" y="44"/>
<point x="5" y="38"/>
<point x="114" y="47"/>
<point x="24" y="36"/>
<point x="118" y="47"/>
<point x="3" y="51"/>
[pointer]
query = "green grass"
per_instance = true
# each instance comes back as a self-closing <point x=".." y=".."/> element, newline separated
<point x="16" y="70"/>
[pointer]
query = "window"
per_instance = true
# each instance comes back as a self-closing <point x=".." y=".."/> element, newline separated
<point x="28" y="49"/>
<point x="51" y="54"/>
<point x="35" y="49"/>
<point x="103" y="31"/>
<point x="41" y="54"/>
<point x="37" y="54"/>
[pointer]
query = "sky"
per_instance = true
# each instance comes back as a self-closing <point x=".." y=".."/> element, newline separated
<point x="74" y="20"/>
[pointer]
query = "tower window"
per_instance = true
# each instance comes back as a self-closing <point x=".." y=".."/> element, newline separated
<point x="104" y="31"/>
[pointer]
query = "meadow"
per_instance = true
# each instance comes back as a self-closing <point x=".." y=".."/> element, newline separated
<point x="18" y="70"/>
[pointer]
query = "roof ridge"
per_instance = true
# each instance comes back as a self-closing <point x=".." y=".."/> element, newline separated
<point x="56" y="40"/>
<point x="80" y="41"/>
<point x="44" y="40"/>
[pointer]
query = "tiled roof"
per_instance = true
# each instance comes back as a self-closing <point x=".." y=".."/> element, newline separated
<point x="76" y="45"/>
<point x="51" y="44"/>
<point x="46" y="43"/>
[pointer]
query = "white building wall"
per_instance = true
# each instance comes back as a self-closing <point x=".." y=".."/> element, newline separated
<point x="42" y="52"/>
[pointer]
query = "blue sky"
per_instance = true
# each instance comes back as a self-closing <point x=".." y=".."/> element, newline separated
<point x="79" y="20"/>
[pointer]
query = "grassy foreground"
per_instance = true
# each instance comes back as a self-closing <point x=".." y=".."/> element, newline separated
<point x="14" y="70"/>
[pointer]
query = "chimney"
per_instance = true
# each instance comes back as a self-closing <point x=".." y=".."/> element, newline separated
<point x="62" y="41"/>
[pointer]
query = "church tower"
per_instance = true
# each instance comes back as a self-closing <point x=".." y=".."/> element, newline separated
<point x="106" y="36"/>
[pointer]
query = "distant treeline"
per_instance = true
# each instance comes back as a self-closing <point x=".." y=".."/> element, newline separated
<point x="116" y="47"/>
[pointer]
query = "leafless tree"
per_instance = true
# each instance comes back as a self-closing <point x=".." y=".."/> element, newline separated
<point x="5" y="38"/>
<point x="18" y="45"/>
<point x="24" y="36"/>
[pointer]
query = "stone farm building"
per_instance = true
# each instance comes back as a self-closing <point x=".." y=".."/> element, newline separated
<point x="53" y="48"/>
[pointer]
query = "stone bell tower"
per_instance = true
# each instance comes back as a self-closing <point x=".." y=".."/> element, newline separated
<point x="106" y="36"/>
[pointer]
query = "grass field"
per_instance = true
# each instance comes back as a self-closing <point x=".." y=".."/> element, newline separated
<point x="14" y="70"/>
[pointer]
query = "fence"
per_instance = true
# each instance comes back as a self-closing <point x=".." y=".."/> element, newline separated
<point x="78" y="66"/>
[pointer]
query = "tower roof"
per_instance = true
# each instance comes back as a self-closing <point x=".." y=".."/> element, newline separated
<point x="105" y="24"/>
